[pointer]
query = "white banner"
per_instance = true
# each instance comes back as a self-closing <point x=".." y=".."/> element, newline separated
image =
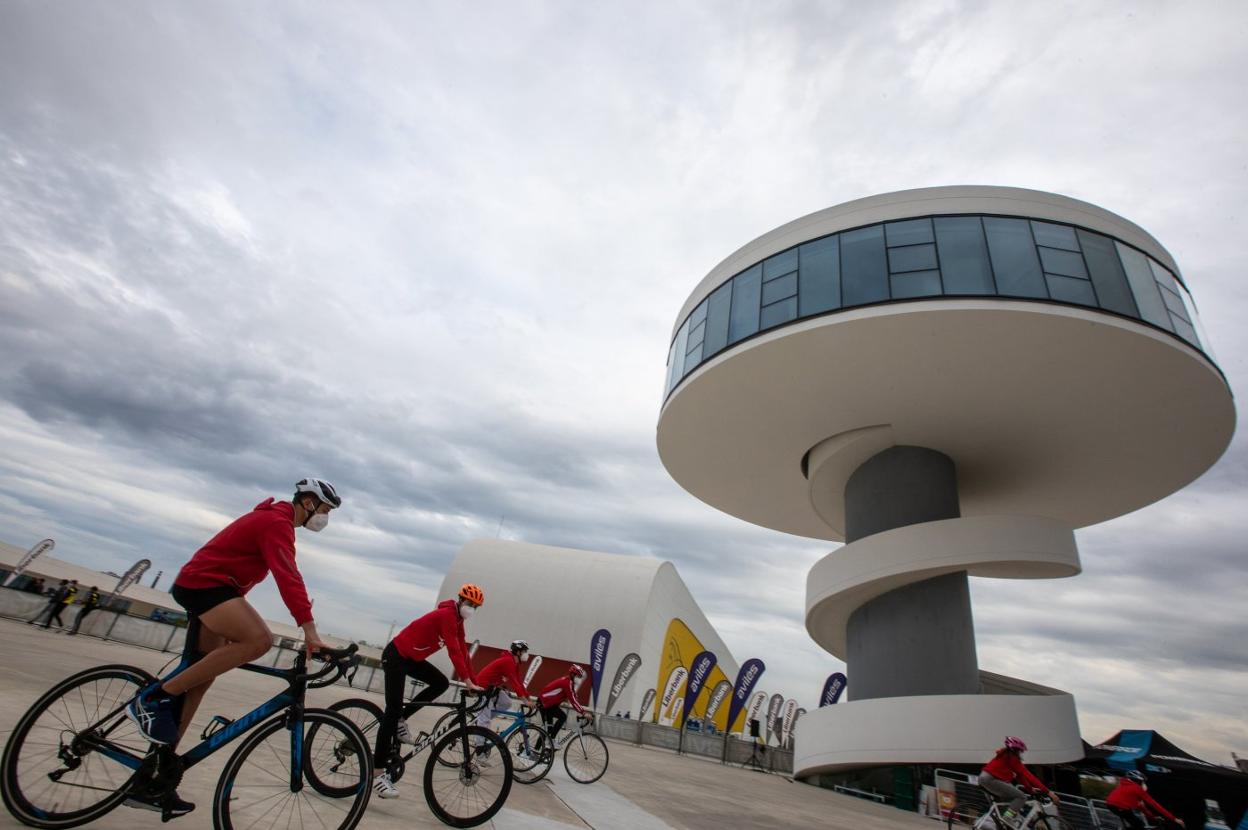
<point x="534" y="663"/>
<point x="674" y="682"/>
<point x="131" y="576"/>
<point x="790" y="710"/>
<point x="751" y="713"/>
<point x="34" y="553"/>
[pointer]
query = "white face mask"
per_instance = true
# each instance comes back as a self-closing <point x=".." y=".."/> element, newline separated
<point x="466" y="610"/>
<point x="317" y="522"/>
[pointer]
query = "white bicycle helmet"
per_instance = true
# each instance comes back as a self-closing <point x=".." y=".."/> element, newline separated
<point x="519" y="646"/>
<point x="323" y="490"/>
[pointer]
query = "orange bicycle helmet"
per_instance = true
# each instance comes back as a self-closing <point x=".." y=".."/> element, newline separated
<point x="472" y="594"/>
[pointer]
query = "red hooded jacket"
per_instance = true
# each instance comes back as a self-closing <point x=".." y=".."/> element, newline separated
<point x="1006" y="766"/>
<point x="425" y="635"/>
<point x="556" y="692"/>
<point x="1129" y="795"/>
<point x="244" y="553"/>
<point x="502" y="671"/>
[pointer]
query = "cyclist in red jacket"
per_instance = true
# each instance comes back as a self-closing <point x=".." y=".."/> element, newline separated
<point x="1130" y="795"/>
<point x="552" y="695"/>
<point x="501" y="674"/>
<point x="222" y="625"/>
<point x="407" y="656"/>
<point x="999" y="774"/>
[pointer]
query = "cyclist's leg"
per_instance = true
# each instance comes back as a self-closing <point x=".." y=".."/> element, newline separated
<point x="205" y="641"/>
<point x="245" y="636"/>
<point x="395" y="670"/>
<point x="435" y="684"/>
<point x="554" y="717"/>
<point x="1003" y="791"/>
<point x="1130" y="818"/>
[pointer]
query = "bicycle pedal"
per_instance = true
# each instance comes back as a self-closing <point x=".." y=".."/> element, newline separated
<point x="214" y="726"/>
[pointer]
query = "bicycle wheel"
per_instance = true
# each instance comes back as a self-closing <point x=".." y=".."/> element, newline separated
<point x="531" y="757"/>
<point x="329" y="755"/>
<point x="585" y="758"/>
<point x="959" y="818"/>
<point x="469" y="791"/>
<point x="255" y="786"/>
<point x="53" y="773"/>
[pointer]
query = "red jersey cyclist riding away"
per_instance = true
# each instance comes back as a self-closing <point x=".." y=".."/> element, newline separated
<point x="501" y="674"/>
<point x="407" y="656"/>
<point x="999" y="774"/>
<point x="1130" y="795"/>
<point x="222" y="625"/>
<point x="551" y="698"/>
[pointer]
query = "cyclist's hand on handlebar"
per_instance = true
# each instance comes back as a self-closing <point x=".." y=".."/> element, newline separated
<point x="312" y="641"/>
<point x="469" y="686"/>
<point x="1053" y="797"/>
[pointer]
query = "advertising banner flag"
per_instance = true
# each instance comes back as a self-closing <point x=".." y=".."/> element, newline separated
<point x="773" y="714"/>
<point x="131" y="576"/>
<point x="598" y="645"/>
<point x="670" y="689"/>
<point x="628" y="667"/>
<point x="39" y="549"/>
<point x="718" y="695"/>
<point x="678" y="707"/>
<point x="647" y="701"/>
<point x="786" y="722"/>
<point x="747" y="676"/>
<point x="699" y="671"/>
<point x="754" y="710"/>
<point x="793" y="729"/>
<point x="472" y="649"/>
<point x="832" y="688"/>
<point x="534" y="664"/>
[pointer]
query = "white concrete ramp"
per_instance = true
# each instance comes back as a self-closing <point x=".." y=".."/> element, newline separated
<point x="597" y="805"/>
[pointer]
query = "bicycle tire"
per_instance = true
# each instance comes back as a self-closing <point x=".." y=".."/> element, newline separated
<point x="238" y="798"/>
<point x="962" y="817"/>
<point x="18" y="789"/>
<point x="446" y="721"/>
<point x="584" y="752"/>
<point x="364" y="715"/>
<point x="467" y="795"/>
<point x="530" y="740"/>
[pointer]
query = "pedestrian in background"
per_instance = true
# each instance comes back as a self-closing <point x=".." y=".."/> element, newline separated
<point x="89" y="604"/>
<point x="54" y="606"/>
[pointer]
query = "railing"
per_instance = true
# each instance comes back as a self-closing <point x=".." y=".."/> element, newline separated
<point x="644" y="733"/>
<point x="962" y="789"/>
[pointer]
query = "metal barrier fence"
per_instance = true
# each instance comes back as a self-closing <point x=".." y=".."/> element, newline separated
<point x="960" y="789"/>
<point x="644" y="733"/>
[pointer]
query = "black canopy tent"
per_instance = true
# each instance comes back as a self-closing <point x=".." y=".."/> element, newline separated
<point x="1177" y="779"/>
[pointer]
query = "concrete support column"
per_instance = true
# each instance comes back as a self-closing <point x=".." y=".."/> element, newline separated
<point x="918" y="639"/>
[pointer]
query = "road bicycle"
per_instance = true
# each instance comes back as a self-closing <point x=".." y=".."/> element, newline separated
<point x="75" y="755"/>
<point x="460" y="789"/>
<point x="585" y="755"/>
<point x="1039" y="813"/>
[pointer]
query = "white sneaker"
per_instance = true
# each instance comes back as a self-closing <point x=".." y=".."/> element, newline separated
<point x="484" y="760"/>
<point x="403" y="733"/>
<point x="384" y="787"/>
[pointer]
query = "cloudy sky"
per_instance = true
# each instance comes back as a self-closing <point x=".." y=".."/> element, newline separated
<point x="434" y="252"/>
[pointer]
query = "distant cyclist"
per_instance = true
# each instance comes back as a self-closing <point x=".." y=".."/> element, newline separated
<point x="226" y="629"/>
<point x="999" y="774"/>
<point x="551" y="699"/>
<point x="407" y="656"/>
<point x="1130" y="795"/>
<point x="501" y="674"/>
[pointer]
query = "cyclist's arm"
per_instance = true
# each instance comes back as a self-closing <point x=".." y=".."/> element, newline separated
<point x="576" y="704"/>
<point x="1152" y="808"/>
<point x="1028" y="779"/>
<point x="455" y="647"/>
<point x="279" y="555"/>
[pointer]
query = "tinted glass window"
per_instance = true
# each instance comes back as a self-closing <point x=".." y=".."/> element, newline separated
<point x="678" y="358"/>
<point x="963" y="255"/>
<point x="1185" y="330"/>
<point x="1107" y="275"/>
<point x="693" y="359"/>
<point x="743" y="320"/>
<point x="780" y="264"/>
<point x="667" y="381"/>
<point x="1144" y="287"/>
<point x="820" y="277"/>
<point x="777" y="313"/>
<point x="1066" y="263"/>
<point x="718" y="303"/>
<point x="916" y="284"/>
<point x="1055" y="236"/>
<point x="699" y="314"/>
<point x="779" y="289"/>
<point x="1014" y="261"/>
<point x="1071" y="290"/>
<point x="864" y="271"/>
<point x="696" y="334"/>
<point x="913" y="258"/>
<point x="910" y="232"/>
<point x="1169" y="289"/>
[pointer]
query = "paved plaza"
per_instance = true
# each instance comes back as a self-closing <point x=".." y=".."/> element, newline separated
<point x="643" y="789"/>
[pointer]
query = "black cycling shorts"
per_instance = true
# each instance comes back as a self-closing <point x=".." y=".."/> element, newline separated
<point x="198" y="601"/>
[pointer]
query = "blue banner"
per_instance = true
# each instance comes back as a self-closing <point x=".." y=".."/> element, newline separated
<point x="751" y="670"/>
<point x="598" y="645"/>
<point x="699" y="673"/>
<point x="832" y="688"/>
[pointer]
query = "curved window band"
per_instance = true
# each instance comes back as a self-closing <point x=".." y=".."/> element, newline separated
<point x="935" y="256"/>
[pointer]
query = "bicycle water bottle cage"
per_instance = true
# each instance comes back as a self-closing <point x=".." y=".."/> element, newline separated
<point x="214" y="726"/>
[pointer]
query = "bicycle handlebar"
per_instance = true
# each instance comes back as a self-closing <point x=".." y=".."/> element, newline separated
<point x="337" y="662"/>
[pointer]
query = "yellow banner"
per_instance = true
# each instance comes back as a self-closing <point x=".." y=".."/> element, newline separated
<point x="680" y="646"/>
